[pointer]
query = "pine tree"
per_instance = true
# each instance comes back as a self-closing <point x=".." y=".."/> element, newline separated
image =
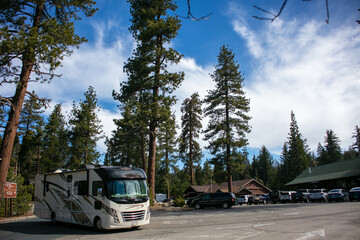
<point x="85" y="131"/>
<point x="297" y="150"/>
<point x="56" y="145"/>
<point x="356" y="135"/>
<point x="227" y="109"/>
<point x="166" y="150"/>
<point x="331" y="152"/>
<point x="190" y="150"/>
<point x="30" y="131"/>
<point x="153" y="28"/>
<point x="283" y="172"/>
<point x="35" y="35"/>
<point x="125" y="144"/>
<point x="266" y="171"/>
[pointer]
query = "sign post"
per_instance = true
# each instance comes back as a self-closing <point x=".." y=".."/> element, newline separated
<point x="10" y="192"/>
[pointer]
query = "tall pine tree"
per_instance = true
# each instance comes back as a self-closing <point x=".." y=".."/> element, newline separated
<point x="153" y="28"/>
<point x="30" y="131"/>
<point x="85" y="131"/>
<point x="297" y="151"/>
<point x="227" y="109"/>
<point x="56" y="145"/>
<point x="331" y="152"/>
<point x="190" y="150"/>
<point x="166" y="151"/>
<point x="356" y="145"/>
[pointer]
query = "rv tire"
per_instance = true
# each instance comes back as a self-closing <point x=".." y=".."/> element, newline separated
<point x="98" y="224"/>
<point x="53" y="217"/>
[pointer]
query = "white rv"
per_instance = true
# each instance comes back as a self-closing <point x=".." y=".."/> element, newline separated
<point x="102" y="197"/>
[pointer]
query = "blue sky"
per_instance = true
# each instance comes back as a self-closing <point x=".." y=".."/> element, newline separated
<point x="298" y="62"/>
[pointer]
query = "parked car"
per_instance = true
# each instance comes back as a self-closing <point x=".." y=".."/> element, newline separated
<point x="275" y="196"/>
<point x="243" y="199"/>
<point x="266" y="198"/>
<point x="337" y="195"/>
<point x="218" y="199"/>
<point x="256" y="199"/>
<point x="287" y="196"/>
<point x="318" y="195"/>
<point x="354" y="194"/>
<point x="302" y="195"/>
<point x="189" y="201"/>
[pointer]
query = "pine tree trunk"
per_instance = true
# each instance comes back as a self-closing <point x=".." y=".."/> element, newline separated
<point x="143" y="156"/>
<point x="12" y="125"/>
<point x="18" y="100"/>
<point x="152" y="158"/>
<point x="230" y="188"/>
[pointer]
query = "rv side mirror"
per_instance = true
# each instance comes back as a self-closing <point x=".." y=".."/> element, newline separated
<point x="99" y="191"/>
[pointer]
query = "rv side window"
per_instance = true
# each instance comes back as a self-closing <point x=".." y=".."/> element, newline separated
<point x="80" y="188"/>
<point x="97" y="188"/>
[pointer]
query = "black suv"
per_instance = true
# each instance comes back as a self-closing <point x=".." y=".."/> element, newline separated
<point x="218" y="199"/>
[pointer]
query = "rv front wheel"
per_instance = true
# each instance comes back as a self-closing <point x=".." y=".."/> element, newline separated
<point x="53" y="217"/>
<point x="98" y="224"/>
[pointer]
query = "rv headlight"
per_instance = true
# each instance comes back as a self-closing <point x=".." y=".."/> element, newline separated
<point x="115" y="215"/>
<point x="148" y="213"/>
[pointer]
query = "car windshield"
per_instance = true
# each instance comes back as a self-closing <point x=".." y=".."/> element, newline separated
<point x="315" y="191"/>
<point x="335" y="191"/>
<point x="128" y="188"/>
<point x="355" y="189"/>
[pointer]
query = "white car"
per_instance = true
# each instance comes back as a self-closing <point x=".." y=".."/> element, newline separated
<point x="318" y="195"/>
<point x="287" y="196"/>
<point x="243" y="199"/>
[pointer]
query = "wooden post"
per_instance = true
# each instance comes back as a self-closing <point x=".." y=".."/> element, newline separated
<point x="6" y="207"/>
<point x="11" y="207"/>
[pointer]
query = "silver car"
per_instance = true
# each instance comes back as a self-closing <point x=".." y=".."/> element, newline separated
<point x="318" y="195"/>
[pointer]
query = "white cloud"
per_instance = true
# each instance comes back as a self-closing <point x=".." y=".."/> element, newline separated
<point x="309" y="68"/>
<point x="251" y="41"/>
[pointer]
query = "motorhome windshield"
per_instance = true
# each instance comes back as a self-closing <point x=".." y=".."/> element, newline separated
<point x="128" y="191"/>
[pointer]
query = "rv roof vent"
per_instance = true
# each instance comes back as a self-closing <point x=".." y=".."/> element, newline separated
<point x="85" y="166"/>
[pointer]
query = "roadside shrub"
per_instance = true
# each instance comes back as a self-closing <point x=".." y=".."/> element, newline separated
<point x="179" y="202"/>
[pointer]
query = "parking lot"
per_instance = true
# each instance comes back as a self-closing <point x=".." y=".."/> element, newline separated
<point x="271" y="221"/>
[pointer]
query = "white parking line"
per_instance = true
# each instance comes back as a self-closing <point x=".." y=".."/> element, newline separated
<point x="250" y="234"/>
<point x="234" y="227"/>
<point x="263" y="224"/>
<point x="290" y="214"/>
<point x="316" y="233"/>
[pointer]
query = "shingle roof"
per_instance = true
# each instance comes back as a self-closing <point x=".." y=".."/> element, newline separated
<point x="223" y="187"/>
<point x="330" y="171"/>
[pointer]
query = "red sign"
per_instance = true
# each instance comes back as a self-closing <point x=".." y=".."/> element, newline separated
<point x="10" y="190"/>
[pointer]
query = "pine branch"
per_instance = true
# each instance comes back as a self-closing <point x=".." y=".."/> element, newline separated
<point x="43" y="101"/>
<point x="7" y="101"/>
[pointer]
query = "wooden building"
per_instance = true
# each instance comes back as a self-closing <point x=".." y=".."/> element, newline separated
<point x="241" y="187"/>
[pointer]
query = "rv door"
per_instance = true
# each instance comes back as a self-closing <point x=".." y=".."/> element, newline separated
<point x="67" y="208"/>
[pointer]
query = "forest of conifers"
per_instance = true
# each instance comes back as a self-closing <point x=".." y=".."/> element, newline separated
<point x="147" y="135"/>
